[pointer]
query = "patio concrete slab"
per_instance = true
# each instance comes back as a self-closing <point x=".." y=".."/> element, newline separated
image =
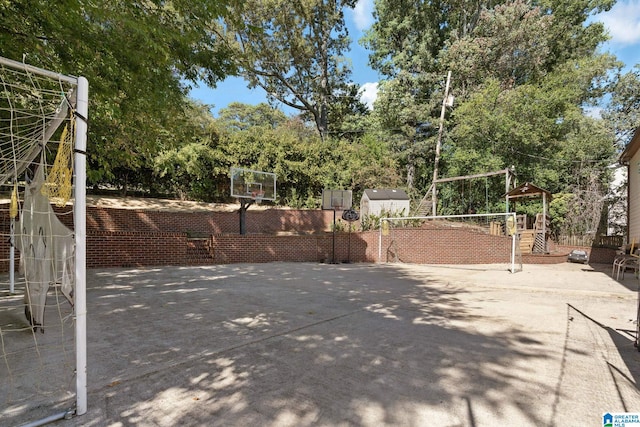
<point x="295" y="344"/>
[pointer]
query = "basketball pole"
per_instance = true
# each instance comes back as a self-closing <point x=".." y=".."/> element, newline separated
<point x="244" y="205"/>
<point x="333" y="243"/>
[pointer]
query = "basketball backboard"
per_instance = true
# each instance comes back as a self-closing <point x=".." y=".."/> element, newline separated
<point x="338" y="200"/>
<point x="252" y="184"/>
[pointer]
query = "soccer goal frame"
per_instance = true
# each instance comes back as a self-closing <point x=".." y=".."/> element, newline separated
<point x="505" y="226"/>
<point x="79" y="310"/>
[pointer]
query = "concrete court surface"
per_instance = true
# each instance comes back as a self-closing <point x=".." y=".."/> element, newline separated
<point x="301" y="344"/>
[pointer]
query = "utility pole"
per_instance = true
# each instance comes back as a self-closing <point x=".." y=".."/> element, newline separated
<point x="445" y="102"/>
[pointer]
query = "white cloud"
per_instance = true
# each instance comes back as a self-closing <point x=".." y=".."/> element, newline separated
<point x="363" y="14"/>
<point x="369" y="93"/>
<point x="623" y="22"/>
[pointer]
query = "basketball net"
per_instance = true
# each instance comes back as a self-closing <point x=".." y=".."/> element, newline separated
<point x="257" y="196"/>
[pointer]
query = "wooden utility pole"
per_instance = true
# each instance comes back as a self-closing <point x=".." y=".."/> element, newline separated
<point x="434" y="202"/>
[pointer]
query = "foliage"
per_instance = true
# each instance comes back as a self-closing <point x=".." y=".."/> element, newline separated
<point x="523" y="74"/>
<point x="578" y="213"/>
<point x="294" y="51"/>
<point x="136" y="100"/>
<point x="262" y="138"/>
<point x="406" y="125"/>
<point x="373" y="221"/>
<point x="623" y="110"/>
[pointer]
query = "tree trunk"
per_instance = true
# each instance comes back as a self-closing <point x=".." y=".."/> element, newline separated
<point x="324" y="81"/>
<point x="411" y="171"/>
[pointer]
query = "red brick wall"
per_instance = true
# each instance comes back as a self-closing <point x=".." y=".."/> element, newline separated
<point x="445" y="245"/>
<point x="131" y="249"/>
<point x="301" y="248"/>
<point x="269" y="221"/>
<point x="132" y="238"/>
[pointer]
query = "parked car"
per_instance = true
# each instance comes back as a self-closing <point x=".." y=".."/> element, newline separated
<point x="578" y="255"/>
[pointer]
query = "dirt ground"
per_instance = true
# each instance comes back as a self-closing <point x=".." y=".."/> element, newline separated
<point x="168" y="205"/>
<point x="301" y="344"/>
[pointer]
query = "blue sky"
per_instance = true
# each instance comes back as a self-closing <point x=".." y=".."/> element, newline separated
<point x="622" y="22"/>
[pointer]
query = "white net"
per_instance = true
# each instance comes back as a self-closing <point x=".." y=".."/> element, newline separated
<point x="37" y="318"/>
<point x="474" y="241"/>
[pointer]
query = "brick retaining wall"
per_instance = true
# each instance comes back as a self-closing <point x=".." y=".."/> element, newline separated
<point x="135" y="238"/>
<point x="269" y="221"/>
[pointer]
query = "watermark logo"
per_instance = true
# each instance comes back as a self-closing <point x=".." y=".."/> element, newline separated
<point x="621" y="419"/>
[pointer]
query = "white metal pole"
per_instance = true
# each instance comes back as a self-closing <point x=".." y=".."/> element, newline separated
<point x="380" y="242"/>
<point x="35" y="70"/>
<point x="513" y="252"/>
<point x="80" y="226"/>
<point x="12" y="256"/>
<point x="544" y="221"/>
<point x="506" y="192"/>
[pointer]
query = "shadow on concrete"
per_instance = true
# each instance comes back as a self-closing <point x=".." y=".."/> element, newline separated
<point x="362" y="345"/>
<point x="629" y="280"/>
<point x="301" y="344"/>
<point x="586" y="350"/>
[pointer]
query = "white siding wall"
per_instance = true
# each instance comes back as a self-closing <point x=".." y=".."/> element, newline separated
<point x="364" y="207"/>
<point x="634" y="198"/>
<point x="395" y="206"/>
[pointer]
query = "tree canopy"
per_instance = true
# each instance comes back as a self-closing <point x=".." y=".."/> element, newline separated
<point x="523" y="76"/>
<point x="526" y="76"/>
<point x="137" y="56"/>
<point x="295" y="51"/>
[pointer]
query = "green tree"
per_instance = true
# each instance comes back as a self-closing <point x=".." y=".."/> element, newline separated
<point x="294" y="51"/>
<point x="522" y="75"/>
<point x="136" y="99"/>
<point x="239" y="116"/>
<point x="194" y="168"/>
<point x="405" y="42"/>
<point x="347" y="113"/>
<point x="505" y="44"/>
<point x="408" y="127"/>
<point x="262" y="138"/>
<point x="623" y="110"/>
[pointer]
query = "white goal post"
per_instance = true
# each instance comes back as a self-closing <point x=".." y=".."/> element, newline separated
<point x="489" y="238"/>
<point x="35" y="105"/>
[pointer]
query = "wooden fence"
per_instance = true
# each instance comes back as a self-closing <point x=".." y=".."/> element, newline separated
<point x="589" y="241"/>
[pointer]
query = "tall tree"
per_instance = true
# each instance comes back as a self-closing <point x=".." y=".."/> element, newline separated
<point x="135" y="98"/>
<point x="294" y="51"/>
<point x="405" y="42"/>
<point x="507" y="43"/>
<point x="521" y="76"/>
<point x="407" y="126"/>
<point x="623" y="110"/>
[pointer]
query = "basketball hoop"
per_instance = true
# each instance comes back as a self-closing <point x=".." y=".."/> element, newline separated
<point x="336" y="200"/>
<point x="251" y="187"/>
<point x="257" y="196"/>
